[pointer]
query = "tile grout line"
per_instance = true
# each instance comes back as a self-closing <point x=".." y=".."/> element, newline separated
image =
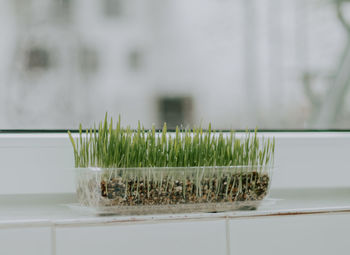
<point x="53" y="239"/>
<point x="228" y="246"/>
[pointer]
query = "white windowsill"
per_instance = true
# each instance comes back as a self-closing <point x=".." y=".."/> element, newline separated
<point x="54" y="209"/>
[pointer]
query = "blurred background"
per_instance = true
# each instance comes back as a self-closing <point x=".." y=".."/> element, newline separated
<point x="274" y="64"/>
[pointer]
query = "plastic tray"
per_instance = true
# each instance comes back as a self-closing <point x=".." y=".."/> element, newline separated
<point x="135" y="191"/>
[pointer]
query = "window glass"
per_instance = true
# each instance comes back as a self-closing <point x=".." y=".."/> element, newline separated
<point x="272" y="64"/>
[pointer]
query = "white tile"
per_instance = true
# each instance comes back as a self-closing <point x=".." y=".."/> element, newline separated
<point x="28" y="241"/>
<point x="289" y="235"/>
<point x="200" y="237"/>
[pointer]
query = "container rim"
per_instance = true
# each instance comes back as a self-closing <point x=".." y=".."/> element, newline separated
<point x="100" y="169"/>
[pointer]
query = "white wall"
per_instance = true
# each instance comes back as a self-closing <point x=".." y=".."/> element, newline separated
<point x="43" y="163"/>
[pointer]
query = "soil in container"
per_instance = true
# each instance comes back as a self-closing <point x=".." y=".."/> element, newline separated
<point x="170" y="190"/>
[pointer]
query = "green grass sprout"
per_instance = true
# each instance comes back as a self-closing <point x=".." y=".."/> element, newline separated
<point x="112" y="146"/>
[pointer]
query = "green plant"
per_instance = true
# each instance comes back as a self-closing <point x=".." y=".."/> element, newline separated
<point x="116" y="147"/>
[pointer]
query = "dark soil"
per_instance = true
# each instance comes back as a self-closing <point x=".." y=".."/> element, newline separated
<point x="237" y="187"/>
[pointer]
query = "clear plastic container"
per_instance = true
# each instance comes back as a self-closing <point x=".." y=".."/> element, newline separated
<point x="172" y="190"/>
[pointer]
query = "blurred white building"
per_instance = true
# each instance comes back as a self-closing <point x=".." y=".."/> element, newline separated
<point x="237" y="64"/>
